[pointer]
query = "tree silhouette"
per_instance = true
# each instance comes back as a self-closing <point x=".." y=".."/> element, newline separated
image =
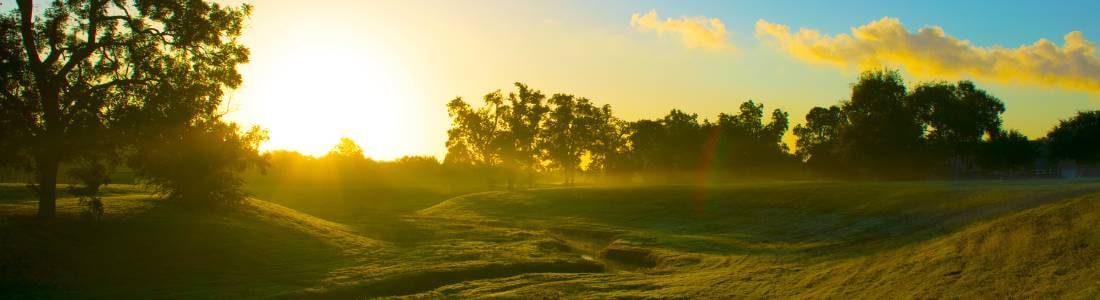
<point x="1077" y="138"/>
<point x="646" y="139"/>
<point x="200" y="163"/>
<point x="886" y="131"/>
<point x="817" y="138"/>
<point x="82" y="65"/>
<point x="746" y="144"/>
<point x="957" y="117"/>
<point x="681" y="143"/>
<point x="346" y="148"/>
<point x="883" y="137"/>
<point x="608" y="139"/>
<point x="524" y="119"/>
<point x="476" y="136"/>
<point x="563" y="138"/>
<point x="1007" y="151"/>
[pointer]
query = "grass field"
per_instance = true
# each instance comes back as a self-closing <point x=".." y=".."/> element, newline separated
<point x="1017" y="239"/>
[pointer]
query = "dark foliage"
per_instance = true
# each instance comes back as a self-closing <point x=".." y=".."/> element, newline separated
<point x="199" y="164"/>
<point x="1077" y="138"/>
<point x="84" y="78"/>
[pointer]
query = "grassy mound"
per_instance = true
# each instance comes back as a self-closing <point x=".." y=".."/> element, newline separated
<point x="883" y="240"/>
<point x="1033" y="239"/>
<point x="146" y="249"/>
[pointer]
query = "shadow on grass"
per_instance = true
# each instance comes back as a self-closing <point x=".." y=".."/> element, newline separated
<point x="155" y="250"/>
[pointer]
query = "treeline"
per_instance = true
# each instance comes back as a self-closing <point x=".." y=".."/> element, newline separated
<point x="884" y="130"/>
<point x="934" y="130"/>
<point x="514" y="137"/>
<point x="346" y="166"/>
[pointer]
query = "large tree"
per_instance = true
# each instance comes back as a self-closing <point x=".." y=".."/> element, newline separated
<point x="1077" y="138"/>
<point x="957" y="117"/>
<point x="746" y="144"/>
<point x="524" y="117"/>
<point x="883" y="136"/>
<point x="608" y="139"/>
<point x="478" y="136"/>
<point x="681" y="146"/>
<point x="82" y="65"/>
<point x="564" y="139"/>
<point x="817" y="137"/>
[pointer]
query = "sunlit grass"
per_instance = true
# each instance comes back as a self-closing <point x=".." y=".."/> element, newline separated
<point x="780" y="239"/>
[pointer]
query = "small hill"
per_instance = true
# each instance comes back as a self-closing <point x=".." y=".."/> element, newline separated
<point x="1012" y="239"/>
<point x="879" y="240"/>
<point x="143" y="248"/>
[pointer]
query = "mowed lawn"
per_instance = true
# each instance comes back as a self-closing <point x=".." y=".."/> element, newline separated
<point x="1031" y="239"/>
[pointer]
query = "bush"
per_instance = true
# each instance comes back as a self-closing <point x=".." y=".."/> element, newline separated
<point x="200" y="164"/>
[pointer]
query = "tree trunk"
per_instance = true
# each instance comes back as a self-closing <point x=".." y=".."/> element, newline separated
<point x="46" y="168"/>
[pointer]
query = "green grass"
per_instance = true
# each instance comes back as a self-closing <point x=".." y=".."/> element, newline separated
<point x="1016" y="239"/>
<point x="147" y="249"/>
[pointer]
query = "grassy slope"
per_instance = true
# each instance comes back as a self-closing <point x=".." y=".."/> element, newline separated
<point x="1034" y="239"/>
<point x="934" y="239"/>
<point x="146" y="249"/>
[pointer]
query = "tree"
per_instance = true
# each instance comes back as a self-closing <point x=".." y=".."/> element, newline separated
<point x="957" y="117"/>
<point x="14" y="77"/>
<point x="200" y="164"/>
<point x="562" y="140"/>
<point x="682" y="141"/>
<point x="1006" y="151"/>
<point x="746" y="144"/>
<point x="817" y="138"/>
<point x="524" y="119"/>
<point x="476" y="135"/>
<point x="645" y="139"/>
<point x="883" y="137"/>
<point x="1077" y="138"/>
<point x="81" y="64"/>
<point x="346" y="148"/>
<point x="607" y="138"/>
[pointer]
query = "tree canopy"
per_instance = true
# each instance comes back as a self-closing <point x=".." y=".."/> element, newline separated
<point x="1077" y="138"/>
<point x="88" y="78"/>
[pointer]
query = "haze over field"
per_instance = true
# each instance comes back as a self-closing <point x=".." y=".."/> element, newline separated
<point x="210" y="149"/>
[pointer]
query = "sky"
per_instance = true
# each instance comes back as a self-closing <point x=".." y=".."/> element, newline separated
<point x="381" y="72"/>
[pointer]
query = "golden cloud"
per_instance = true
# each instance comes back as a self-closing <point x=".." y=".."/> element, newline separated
<point x="696" y="32"/>
<point x="931" y="52"/>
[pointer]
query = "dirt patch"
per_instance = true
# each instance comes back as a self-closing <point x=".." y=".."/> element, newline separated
<point x="632" y="256"/>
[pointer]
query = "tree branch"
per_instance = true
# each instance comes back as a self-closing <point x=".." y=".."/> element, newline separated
<point x="26" y="28"/>
<point x="81" y="54"/>
<point x="53" y="34"/>
<point x="118" y="82"/>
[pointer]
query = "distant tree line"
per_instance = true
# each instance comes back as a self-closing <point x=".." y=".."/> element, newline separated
<point x="935" y="130"/>
<point x="515" y="136"/>
<point x="345" y="165"/>
<point x="884" y="130"/>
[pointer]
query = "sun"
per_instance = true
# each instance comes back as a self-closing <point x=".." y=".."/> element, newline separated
<point x="311" y="87"/>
